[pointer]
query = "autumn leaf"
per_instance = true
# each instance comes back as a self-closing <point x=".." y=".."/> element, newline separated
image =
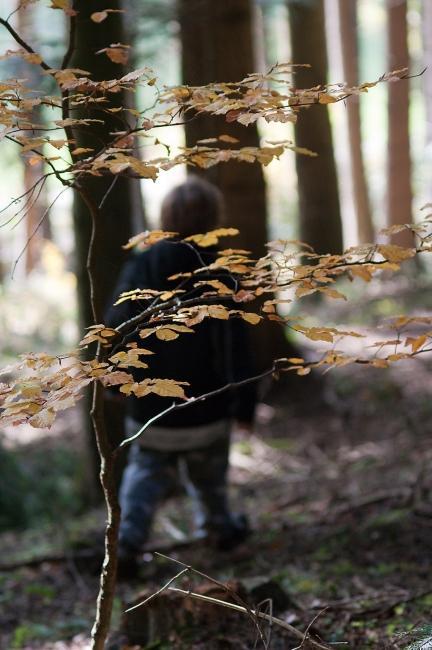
<point x="169" y="388"/>
<point x="43" y="420"/>
<point x="64" y="5"/>
<point x="250" y="317"/>
<point x="100" y="16"/>
<point x="148" y="238"/>
<point x="395" y="253"/>
<point x="117" y="53"/>
<point x="116" y="378"/>
<point x="211" y="238"/>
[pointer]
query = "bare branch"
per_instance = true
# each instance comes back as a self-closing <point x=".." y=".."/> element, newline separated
<point x="23" y="43"/>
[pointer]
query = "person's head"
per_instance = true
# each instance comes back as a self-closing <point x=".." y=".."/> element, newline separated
<point x="192" y="207"/>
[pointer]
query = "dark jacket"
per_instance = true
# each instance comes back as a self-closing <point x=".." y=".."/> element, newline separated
<point x="216" y="354"/>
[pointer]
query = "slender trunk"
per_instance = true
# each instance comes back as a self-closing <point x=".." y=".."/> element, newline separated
<point x="35" y="215"/>
<point x="348" y="32"/>
<point x="105" y="449"/>
<point x="108" y="575"/>
<point x="399" y="194"/>
<point x="320" y="217"/>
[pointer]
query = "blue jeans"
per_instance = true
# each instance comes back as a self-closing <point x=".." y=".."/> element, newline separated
<point x="151" y="475"/>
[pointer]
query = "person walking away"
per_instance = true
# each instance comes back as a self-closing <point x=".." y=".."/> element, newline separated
<point x="193" y="442"/>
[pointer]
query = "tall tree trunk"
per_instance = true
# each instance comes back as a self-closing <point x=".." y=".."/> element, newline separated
<point x="217" y="45"/>
<point x="320" y="217"/>
<point x="116" y="195"/>
<point x="35" y="215"/>
<point x="399" y="193"/>
<point x="427" y="58"/>
<point x="348" y="33"/>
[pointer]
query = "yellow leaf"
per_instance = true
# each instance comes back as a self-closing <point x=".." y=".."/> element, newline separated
<point x="115" y="378"/>
<point x="325" y="98"/>
<point x="295" y="360"/>
<point x="166" y="334"/>
<point x="211" y="238"/>
<point x="43" y="419"/>
<point x="228" y="138"/>
<point x="30" y="389"/>
<point x="99" y="16"/>
<point x="395" y="253"/>
<point x="148" y="238"/>
<point x="218" y="311"/>
<point x="379" y="363"/>
<point x="332" y="293"/>
<point x="216" y="284"/>
<point x="80" y="150"/>
<point x="250" y="317"/>
<point x="127" y="388"/>
<point x="168" y="388"/>
<point x="417" y="343"/>
<point x="362" y="272"/>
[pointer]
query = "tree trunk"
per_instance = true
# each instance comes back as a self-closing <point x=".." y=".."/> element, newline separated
<point x="348" y="33"/>
<point x="116" y="195"/>
<point x="320" y="217"/>
<point x="399" y="194"/>
<point x="427" y="58"/>
<point x="217" y="45"/>
<point x="35" y="217"/>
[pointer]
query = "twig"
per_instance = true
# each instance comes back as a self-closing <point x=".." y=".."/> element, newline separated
<point x="306" y="636"/>
<point x="128" y="441"/>
<point x="162" y="589"/>
<point x="239" y="608"/>
<point x="226" y="588"/>
<point x="23" y="44"/>
<point x="38" y="225"/>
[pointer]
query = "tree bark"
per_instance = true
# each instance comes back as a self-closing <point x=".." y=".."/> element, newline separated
<point x="115" y="194"/>
<point x="35" y="215"/>
<point x="427" y="58"/>
<point x="348" y="33"/>
<point x="218" y="45"/>
<point x="399" y="193"/>
<point x="320" y="216"/>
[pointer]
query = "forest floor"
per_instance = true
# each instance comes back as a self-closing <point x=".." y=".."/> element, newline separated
<point x="340" y="501"/>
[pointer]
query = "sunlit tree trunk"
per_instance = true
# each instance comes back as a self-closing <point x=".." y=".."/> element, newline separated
<point x="399" y="193"/>
<point x="36" y="217"/>
<point x="427" y="57"/>
<point x="320" y="217"/>
<point x="348" y="33"/>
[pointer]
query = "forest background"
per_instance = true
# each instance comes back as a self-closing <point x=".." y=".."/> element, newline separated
<point x="39" y="309"/>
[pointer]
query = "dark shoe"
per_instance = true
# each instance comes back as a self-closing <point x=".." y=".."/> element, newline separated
<point x="235" y="535"/>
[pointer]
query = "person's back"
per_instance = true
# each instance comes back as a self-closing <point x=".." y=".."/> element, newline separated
<point x="214" y="355"/>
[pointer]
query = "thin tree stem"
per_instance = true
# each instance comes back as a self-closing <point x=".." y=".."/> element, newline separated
<point x="107" y="583"/>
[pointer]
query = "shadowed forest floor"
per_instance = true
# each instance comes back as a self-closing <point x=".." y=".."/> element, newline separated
<point x="340" y="501"/>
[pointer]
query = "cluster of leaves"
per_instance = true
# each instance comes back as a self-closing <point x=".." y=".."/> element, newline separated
<point x="272" y="96"/>
<point x="42" y="385"/>
<point x="47" y="384"/>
